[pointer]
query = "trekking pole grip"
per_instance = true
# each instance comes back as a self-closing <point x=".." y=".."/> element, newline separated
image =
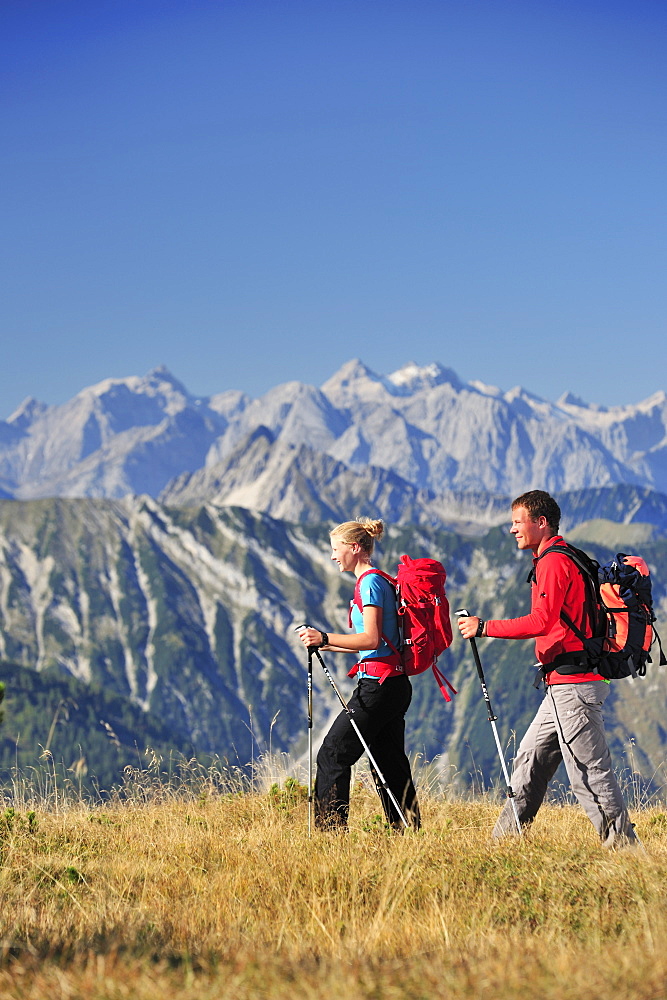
<point x="462" y="613"/>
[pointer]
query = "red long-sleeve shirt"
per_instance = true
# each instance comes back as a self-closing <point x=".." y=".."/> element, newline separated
<point x="558" y="586"/>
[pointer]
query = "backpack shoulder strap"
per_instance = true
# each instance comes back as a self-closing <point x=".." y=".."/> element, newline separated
<point x="357" y="587"/>
<point x="586" y="567"/>
<point x="356" y="601"/>
<point x="564" y="549"/>
<point x="584" y="563"/>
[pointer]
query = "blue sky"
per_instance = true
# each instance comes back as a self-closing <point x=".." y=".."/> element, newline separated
<point x="251" y="192"/>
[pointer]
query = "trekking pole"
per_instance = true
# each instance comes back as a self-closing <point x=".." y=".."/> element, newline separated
<point x="311" y="650"/>
<point x="350" y="712"/>
<point x="462" y="613"/>
<point x="310" y="739"/>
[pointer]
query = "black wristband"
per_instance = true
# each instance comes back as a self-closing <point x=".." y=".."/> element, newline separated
<point x="325" y="639"/>
<point x="480" y="628"/>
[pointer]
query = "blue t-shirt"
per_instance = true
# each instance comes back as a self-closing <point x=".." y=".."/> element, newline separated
<point x="375" y="590"/>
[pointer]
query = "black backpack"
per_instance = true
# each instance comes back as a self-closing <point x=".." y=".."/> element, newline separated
<point x="618" y="624"/>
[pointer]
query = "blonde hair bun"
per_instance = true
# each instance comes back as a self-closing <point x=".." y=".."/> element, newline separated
<point x="375" y="528"/>
<point x="364" y="532"/>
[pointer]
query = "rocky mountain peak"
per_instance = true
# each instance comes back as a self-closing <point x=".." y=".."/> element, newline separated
<point x="29" y="410"/>
<point x="413" y="378"/>
<point x="420" y="422"/>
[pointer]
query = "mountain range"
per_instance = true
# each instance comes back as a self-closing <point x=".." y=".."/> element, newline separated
<point x="420" y="424"/>
<point x="156" y="551"/>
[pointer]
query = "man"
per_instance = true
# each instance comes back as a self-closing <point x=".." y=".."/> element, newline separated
<point x="568" y="725"/>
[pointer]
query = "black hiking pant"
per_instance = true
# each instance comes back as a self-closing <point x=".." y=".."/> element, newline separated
<point x="379" y="712"/>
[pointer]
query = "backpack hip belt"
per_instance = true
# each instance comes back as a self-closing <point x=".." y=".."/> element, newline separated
<point x="573" y="662"/>
<point x="380" y="668"/>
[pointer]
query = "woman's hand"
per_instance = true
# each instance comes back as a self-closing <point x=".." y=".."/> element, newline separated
<point x="310" y="636"/>
<point x="370" y="638"/>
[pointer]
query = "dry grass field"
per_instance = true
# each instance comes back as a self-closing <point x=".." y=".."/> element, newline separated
<point x="223" y="895"/>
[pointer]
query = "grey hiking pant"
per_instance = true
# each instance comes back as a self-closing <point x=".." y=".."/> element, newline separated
<point x="568" y="726"/>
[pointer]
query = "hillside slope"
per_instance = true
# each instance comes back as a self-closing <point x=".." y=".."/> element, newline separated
<point x="188" y="614"/>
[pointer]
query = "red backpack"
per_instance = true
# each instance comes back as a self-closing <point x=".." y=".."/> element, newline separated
<point x="423" y="616"/>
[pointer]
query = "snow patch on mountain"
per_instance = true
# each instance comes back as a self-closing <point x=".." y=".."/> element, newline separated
<point x="412" y="378"/>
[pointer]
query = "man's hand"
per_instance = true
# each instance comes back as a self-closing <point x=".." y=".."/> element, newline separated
<point x="468" y="626"/>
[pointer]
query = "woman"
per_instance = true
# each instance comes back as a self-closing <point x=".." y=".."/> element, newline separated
<point x="382" y="696"/>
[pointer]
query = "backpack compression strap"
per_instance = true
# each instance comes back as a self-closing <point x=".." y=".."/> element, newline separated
<point x="443" y="683"/>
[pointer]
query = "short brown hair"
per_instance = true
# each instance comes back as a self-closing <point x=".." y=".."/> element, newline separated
<point x="540" y="504"/>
